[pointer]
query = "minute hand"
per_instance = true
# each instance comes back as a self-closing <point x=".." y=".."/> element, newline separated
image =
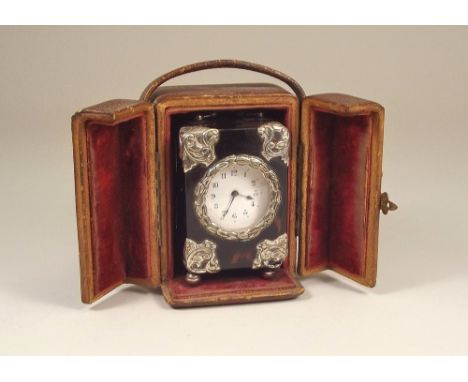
<point x="233" y="195"/>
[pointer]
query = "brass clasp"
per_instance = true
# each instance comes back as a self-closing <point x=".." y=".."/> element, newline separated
<point x="386" y="204"/>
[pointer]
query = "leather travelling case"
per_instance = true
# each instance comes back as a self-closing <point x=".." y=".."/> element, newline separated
<point x="125" y="184"/>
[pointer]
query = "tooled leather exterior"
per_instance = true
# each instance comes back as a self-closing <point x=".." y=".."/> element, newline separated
<point x="112" y="106"/>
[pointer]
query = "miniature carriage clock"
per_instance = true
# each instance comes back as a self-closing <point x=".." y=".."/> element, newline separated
<point x="223" y="194"/>
<point x="235" y="189"/>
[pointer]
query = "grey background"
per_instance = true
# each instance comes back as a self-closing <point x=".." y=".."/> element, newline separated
<point x="420" y="303"/>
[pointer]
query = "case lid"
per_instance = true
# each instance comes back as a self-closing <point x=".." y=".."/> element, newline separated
<point x="115" y="170"/>
<point x="341" y="147"/>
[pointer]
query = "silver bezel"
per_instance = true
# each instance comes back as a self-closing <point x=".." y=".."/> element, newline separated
<point x="201" y="190"/>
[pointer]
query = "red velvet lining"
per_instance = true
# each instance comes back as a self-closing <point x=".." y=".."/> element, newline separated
<point x="336" y="216"/>
<point x="118" y="196"/>
<point x="229" y="283"/>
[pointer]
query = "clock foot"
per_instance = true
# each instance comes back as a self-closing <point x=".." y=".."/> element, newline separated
<point x="192" y="278"/>
<point x="268" y="274"/>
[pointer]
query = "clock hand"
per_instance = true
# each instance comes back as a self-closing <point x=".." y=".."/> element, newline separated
<point x="233" y="195"/>
<point x="248" y="197"/>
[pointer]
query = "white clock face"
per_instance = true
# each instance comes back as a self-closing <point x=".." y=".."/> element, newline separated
<point x="240" y="197"/>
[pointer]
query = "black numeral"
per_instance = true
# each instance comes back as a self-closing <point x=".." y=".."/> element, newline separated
<point x="223" y="175"/>
<point x="215" y="206"/>
<point x="233" y="172"/>
<point x="215" y="185"/>
<point x="234" y="215"/>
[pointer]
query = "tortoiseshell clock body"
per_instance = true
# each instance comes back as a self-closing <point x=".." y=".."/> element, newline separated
<point x="231" y="188"/>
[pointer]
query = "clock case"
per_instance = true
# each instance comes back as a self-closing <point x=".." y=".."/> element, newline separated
<point x="237" y="134"/>
<point x="124" y="188"/>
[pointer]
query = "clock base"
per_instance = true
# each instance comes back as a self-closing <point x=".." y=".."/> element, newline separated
<point x="194" y="279"/>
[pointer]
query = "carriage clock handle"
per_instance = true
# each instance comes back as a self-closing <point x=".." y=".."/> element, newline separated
<point x="148" y="93"/>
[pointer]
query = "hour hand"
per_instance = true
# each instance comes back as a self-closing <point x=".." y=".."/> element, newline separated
<point x="248" y="197"/>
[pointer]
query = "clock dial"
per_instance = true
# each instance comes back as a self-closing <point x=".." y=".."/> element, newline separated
<point x="237" y="197"/>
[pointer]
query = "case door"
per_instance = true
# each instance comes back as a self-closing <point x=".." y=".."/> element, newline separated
<point x="116" y="196"/>
<point x="341" y="144"/>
